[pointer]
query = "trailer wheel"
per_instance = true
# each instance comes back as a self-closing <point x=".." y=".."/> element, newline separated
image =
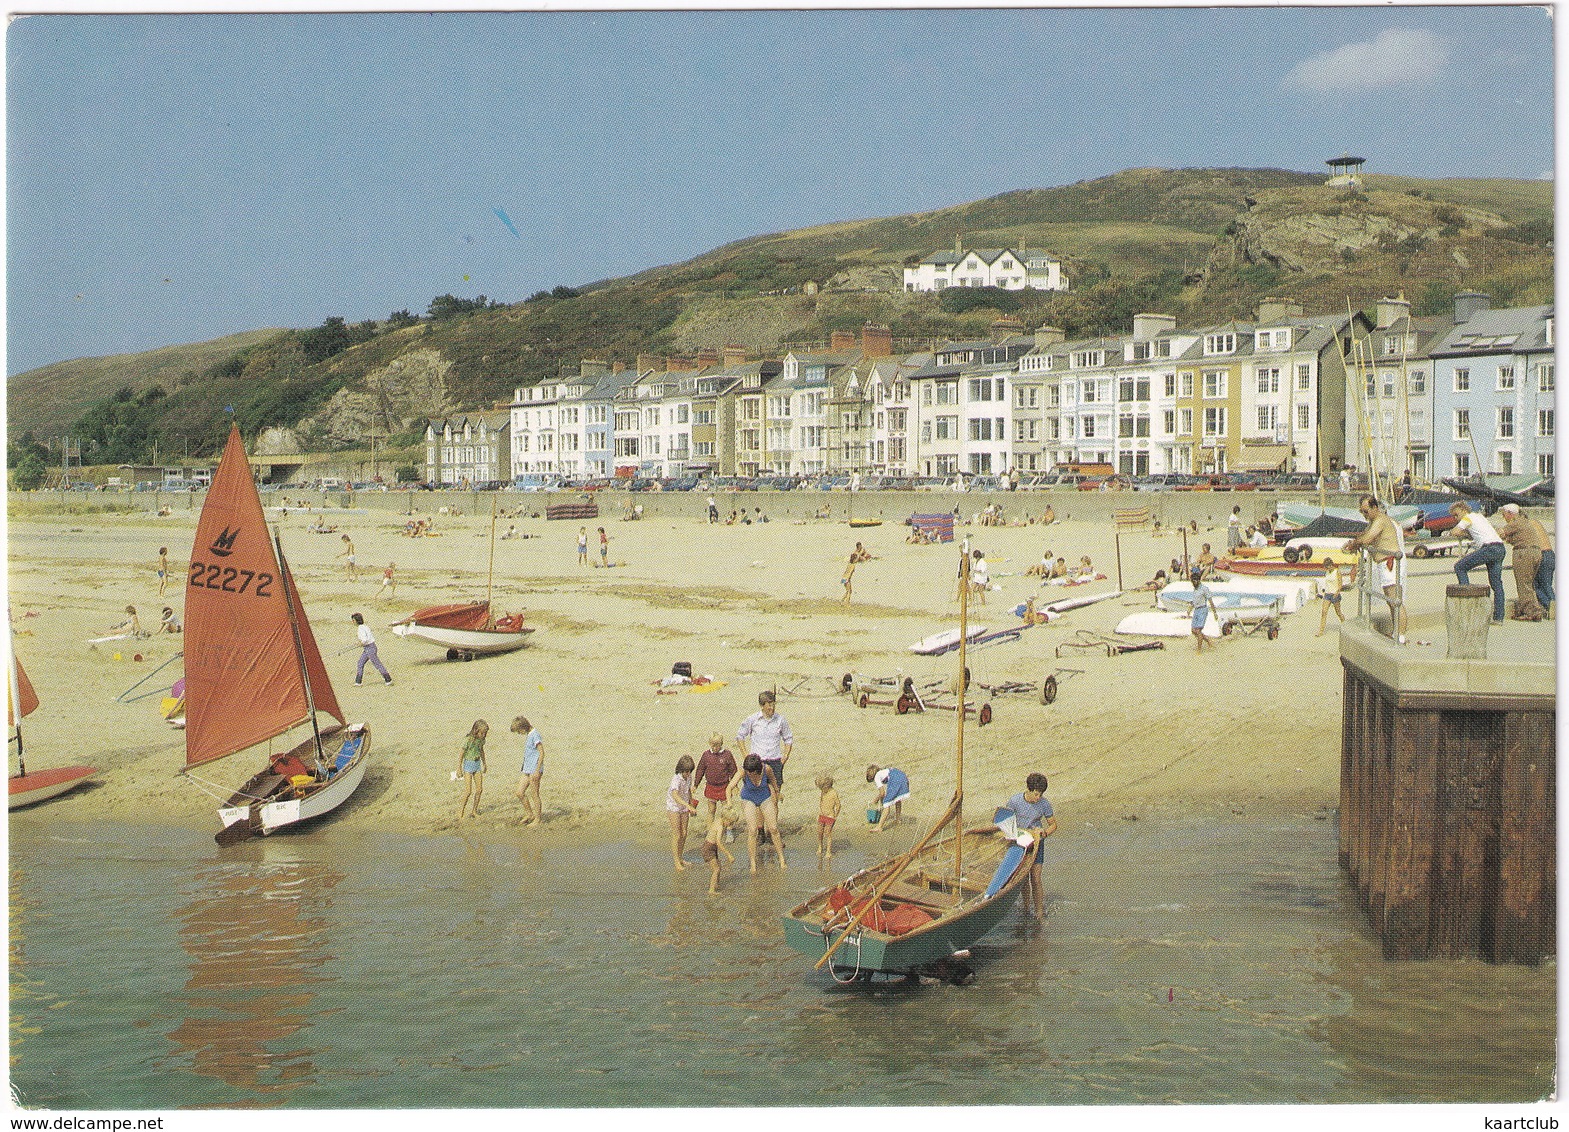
<point x="1274" y="631"/>
<point x="1292" y="554"/>
<point x="1419" y="552"/>
<point x="1226" y="627"/>
<point x="902" y="705"/>
<point x="846" y="682"/>
<point x="986" y="714"/>
<point x="1049" y="690"/>
<point x="452" y="654"/>
<point x="864" y="700"/>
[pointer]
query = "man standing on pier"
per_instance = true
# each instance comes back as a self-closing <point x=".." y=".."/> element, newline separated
<point x="1382" y="538"/>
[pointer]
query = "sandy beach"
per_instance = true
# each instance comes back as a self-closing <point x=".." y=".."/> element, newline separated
<point x="1250" y="727"/>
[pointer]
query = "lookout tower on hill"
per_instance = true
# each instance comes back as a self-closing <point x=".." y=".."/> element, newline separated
<point x="1345" y="171"/>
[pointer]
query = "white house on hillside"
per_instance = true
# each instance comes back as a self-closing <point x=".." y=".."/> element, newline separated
<point x="1005" y="268"/>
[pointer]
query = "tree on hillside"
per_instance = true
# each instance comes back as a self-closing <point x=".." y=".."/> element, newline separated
<point x="331" y="337"/>
<point x="397" y="320"/>
<point x="450" y="306"/>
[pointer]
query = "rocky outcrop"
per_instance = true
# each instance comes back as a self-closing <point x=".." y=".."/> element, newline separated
<point x="401" y="395"/>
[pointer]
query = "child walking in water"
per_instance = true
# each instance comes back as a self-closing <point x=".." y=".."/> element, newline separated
<point x="827" y="814"/>
<point x="472" y="764"/>
<point x="714" y="843"/>
<point x="679" y="808"/>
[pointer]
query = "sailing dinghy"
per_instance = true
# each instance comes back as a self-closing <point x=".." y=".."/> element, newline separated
<point x="40" y="785"/>
<point x="918" y="912"/>
<point x="467" y="629"/>
<point x="253" y="671"/>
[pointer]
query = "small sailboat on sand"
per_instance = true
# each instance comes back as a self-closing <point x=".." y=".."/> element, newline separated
<point x="467" y="629"/>
<point x="40" y="785"/>
<point x="253" y="671"/>
<point x="920" y="911"/>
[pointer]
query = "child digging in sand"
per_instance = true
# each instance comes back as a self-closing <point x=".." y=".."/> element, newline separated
<point x="827" y="814"/>
<point x="714" y="842"/>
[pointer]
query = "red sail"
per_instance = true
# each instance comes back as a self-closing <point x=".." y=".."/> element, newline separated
<point x="473" y="615"/>
<point x="20" y="693"/>
<point x="244" y="683"/>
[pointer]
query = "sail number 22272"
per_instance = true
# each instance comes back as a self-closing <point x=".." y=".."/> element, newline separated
<point x="230" y="579"/>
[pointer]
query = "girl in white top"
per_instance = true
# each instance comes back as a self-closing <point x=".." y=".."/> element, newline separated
<point x="679" y="807"/>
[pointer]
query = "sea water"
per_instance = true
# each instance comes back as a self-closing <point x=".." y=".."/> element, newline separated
<point x="1180" y="962"/>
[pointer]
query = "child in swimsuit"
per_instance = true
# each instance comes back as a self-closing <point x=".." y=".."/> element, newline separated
<point x="827" y="813"/>
<point x="679" y="807"/>
<point x="714" y="842"/>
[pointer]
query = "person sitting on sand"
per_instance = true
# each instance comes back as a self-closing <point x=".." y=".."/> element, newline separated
<point x="131" y="625"/>
<point x="511" y="531"/>
<point x="1257" y="539"/>
<point x="169" y="622"/>
<point x="1155" y="584"/>
<point x="1059" y="569"/>
<point x="1031" y="615"/>
<point x="1042" y="568"/>
<point x="1086" y="569"/>
<point x="1049" y="516"/>
<point x="1206" y="561"/>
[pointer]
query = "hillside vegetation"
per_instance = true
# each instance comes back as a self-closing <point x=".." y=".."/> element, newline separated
<point x="1204" y="245"/>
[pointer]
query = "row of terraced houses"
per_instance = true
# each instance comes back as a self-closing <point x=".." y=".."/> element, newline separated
<point x="1444" y="396"/>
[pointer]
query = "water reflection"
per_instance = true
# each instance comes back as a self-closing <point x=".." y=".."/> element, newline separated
<point x="256" y="933"/>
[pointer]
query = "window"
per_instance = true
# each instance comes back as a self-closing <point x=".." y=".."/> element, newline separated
<point x="1392" y="343"/>
<point x="947" y="428"/>
<point x="1505" y="460"/>
<point x="1170" y="383"/>
<point x="947" y="392"/>
<point x="980" y="389"/>
<point x="702" y="447"/>
<point x="981" y="429"/>
<point x="1088" y="359"/>
<point x="1544" y="422"/>
<point x="1268" y="417"/>
<point x="1462" y="465"/>
<point x="1133" y="389"/>
<point x="1168" y="422"/>
<point x="1141" y="425"/>
<point x="1544" y="377"/>
<point x="1304" y="417"/>
<point x="1185" y="384"/>
<point x="1125" y="425"/>
<point x="1220" y="343"/>
<point x="1139" y="352"/>
<point x="1214" y="383"/>
<point x="1087" y="431"/>
<point x="1462" y="380"/>
<point x="1304" y="377"/>
<point x="1389" y="382"/>
<point x="1544" y="463"/>
<point x="1184" y="422"/>
<point x="1418" y="384"/>
<point x="1506" y="378"/>
<point x="1086" y="392"/>
<point x="1163" y="348"/>
<point x="1506" y="422"/>
<point x="1215" y="421"/>
<point x="1269" y="380"/>
<point x="1462" y="424"/>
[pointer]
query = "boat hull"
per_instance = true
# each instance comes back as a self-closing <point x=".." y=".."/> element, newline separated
<point x="41" y="785"/>
<point x="269" y="805"/>
<point x="954" y="928"/>
<point x="473" y="642"/>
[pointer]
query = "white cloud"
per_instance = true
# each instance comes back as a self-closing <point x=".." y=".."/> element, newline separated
<point x="1396" y="57"/>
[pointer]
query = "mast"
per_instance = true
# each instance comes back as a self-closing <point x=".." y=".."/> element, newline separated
<point x="290" y="596"/>
<point x="958" y="777"/>
<point x="490" y="574"/>
<point x="16" y="709"/>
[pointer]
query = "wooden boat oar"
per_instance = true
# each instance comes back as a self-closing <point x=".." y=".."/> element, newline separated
<point x="893" y="874"/>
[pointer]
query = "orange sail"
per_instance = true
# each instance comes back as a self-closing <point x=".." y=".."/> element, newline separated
<point x="245" y="673"/>
<point x="20" y="692"/>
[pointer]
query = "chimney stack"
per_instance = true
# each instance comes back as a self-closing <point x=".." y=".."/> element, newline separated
<point x="707" y="356"/>
<point x="876" y="341"/>
<point x="648" y="363"/>
<point x="1468" y="304"/>
<point x="1048" y="336"/>
<point x="958" y="245"/>
<point x="734" y="356"/>
<point x="1391" y="311"/>
<point x="1276" y="309"/>
<point x="1004" y="326"/>
<point x="1147" y="326"/>
<point x="840" y="340"/>
<point x="618" y="367"/>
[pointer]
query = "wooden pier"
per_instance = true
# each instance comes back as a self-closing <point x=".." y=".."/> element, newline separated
<point x="1447" y="781"/>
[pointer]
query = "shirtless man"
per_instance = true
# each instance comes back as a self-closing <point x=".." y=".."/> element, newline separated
<point x="1383" y="539"/>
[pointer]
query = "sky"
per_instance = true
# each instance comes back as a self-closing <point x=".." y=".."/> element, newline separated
<point x="175" y="178"/>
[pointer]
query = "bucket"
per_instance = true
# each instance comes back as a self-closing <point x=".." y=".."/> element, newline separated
<point x="872" y="815"/>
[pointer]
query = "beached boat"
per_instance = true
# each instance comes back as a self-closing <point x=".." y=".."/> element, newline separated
<point x="946" y="641"/>
<point x="919" y="912"/>
<point x="467" y="629"/>
<point x="253" y="671"/>
<point x="39" y="785"/>
<point x="1279" y="567"/>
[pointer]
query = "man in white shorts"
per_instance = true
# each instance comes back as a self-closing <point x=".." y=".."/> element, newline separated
<point x="1387" y="545"/>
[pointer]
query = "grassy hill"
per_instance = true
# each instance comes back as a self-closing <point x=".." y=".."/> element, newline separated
<point x="1201" y="244"/>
